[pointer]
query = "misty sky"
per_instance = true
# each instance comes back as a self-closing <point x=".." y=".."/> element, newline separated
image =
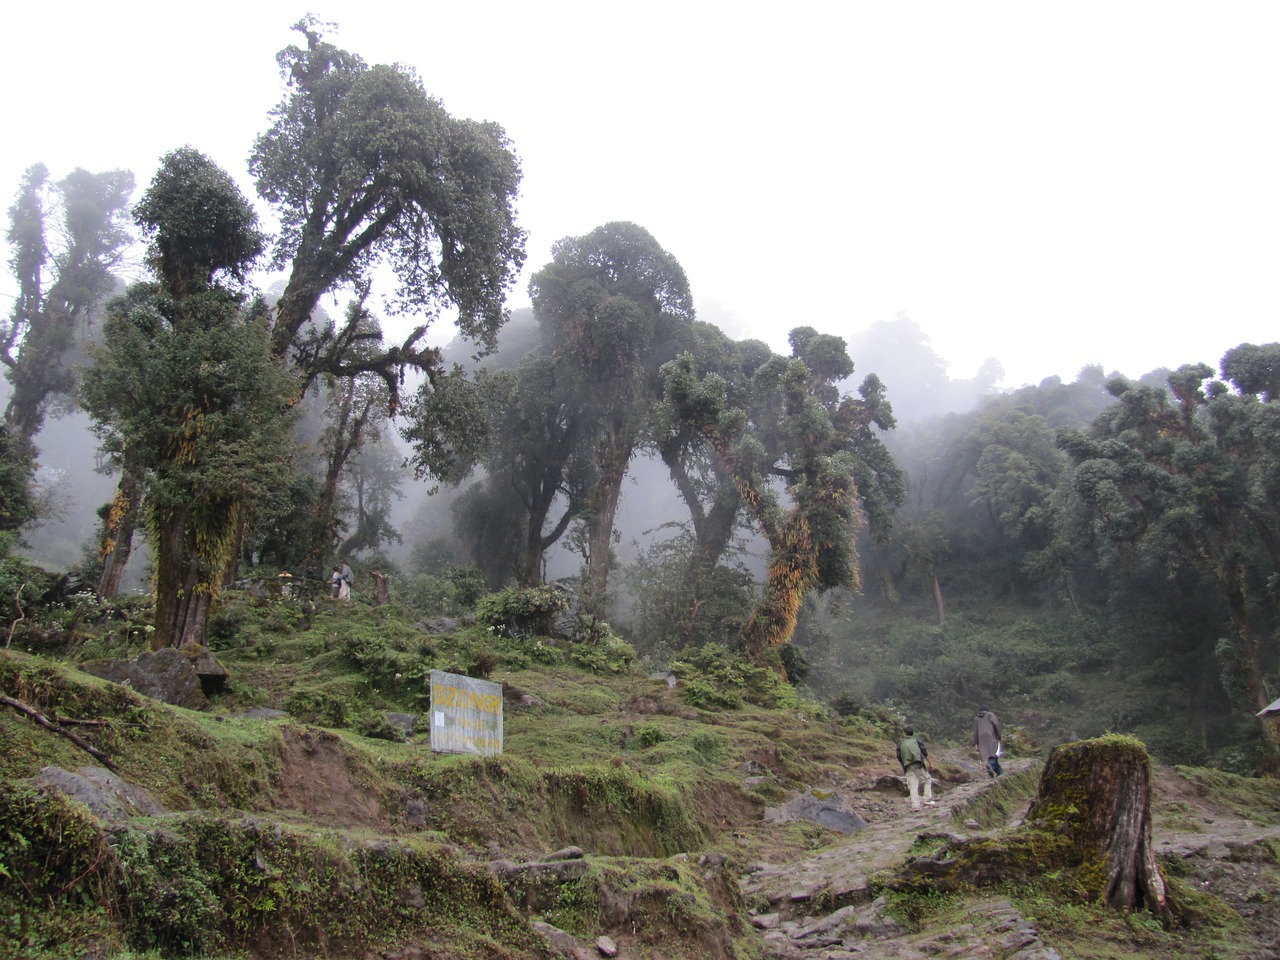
<point x="1050" y="184"/>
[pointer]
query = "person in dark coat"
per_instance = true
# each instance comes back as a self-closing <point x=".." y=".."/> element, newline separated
<point x="986" y="739"/>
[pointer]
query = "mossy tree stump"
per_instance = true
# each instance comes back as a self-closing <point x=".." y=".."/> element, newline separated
<point x="381" y="589"/>
<point x="1098" y="793"/>
<point x="1091" y="822"/>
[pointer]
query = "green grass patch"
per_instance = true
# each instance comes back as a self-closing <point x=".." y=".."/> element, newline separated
<point x="1250" y="797"/>
<point x="1005" y="799"/>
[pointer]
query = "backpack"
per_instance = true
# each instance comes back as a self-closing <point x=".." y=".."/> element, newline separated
<point x="910" y="751"/>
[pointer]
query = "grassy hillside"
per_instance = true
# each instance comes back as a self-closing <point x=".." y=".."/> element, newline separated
<point x="323" y="831"/>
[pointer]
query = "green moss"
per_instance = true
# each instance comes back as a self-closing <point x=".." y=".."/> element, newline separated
<point x="201" y="885"/>
<point x="610" y="808"/>
<point x="57" y="876"/>
<point x="685" y="906"/>
<point x="1002" y="801"/>
<point x="1054" y="905"/>
<point x="965" y="865"/>
<point x="913" y="908"/>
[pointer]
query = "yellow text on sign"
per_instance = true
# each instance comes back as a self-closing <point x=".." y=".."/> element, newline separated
<point x="460" y="699"/>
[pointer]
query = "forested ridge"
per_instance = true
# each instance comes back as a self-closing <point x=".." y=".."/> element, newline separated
<point x="847" y="512"/>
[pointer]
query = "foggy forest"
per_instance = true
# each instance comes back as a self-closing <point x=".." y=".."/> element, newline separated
<point x="1095" y="555"/>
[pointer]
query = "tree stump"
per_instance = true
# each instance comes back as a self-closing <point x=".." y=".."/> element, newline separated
<point x="381" y="589"/>
<point x="1090" y="822"/>
<point x="1099" y="793"/>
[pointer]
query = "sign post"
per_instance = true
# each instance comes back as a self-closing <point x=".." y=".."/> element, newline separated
<point x="466" y="714"/>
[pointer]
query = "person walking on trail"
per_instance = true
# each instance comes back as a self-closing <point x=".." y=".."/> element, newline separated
<point x="986" y="739"/>
<point x="914" y="759"/>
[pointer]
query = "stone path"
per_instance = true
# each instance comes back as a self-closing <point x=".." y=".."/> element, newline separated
<point x="821" y="906"/>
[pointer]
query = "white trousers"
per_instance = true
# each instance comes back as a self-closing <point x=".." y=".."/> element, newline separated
<point x="917" y="775"/>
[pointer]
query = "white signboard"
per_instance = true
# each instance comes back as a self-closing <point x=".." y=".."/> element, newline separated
<point x="466" y="714"/>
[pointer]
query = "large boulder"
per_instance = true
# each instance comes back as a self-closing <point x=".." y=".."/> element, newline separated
<point x="823" y="807"/>
<point x="107" y="795"/>
<point x="183" y="677"/>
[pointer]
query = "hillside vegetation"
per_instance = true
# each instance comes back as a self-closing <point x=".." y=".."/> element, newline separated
<point x="293" y="818"/>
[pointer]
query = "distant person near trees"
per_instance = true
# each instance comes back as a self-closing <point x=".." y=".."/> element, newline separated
<point x="348" y="580"/>
<point x="914" y="759"/>
<point x="340" y="585"/>
<point x="986" y="739"/>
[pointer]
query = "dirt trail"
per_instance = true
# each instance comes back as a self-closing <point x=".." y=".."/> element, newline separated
<point x="821" y="906"/>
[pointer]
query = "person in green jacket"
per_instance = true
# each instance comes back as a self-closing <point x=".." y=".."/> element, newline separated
<point x="914" y="759"/>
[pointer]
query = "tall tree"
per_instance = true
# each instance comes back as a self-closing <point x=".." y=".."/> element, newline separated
<point x="365" y="170"/>
<point x="707" y="489"/>
<point x="543" y="452"/>
<point x="59" y="280"/>
<point x="614" y="306"/>
<point x="823" y="447"/>
<point x="119" y="522"/>
<point x="1017" y="466"/>
<point x="711" y="496"/>
<point x="186" y="389"/>
<point x="17" y="503"/>
<point x="564" y="423"/>
<point x="372" y="484"/>
<point x="356" y="404"/>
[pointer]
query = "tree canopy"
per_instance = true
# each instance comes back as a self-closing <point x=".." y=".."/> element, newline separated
<point x="363" y="168"/>
<point x="1183" y="479"/>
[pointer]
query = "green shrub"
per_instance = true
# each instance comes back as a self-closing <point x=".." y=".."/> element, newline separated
<point x="375" y="725"/>
<point x="321" y="707"/>
<point x="717" y="678"/>
<point x="432" y="596"/>
<point x="226" y="623"/>
<point x="608" y="654"/>
<point x="672" y="611"/>
<point x="711" y="747"/>
<point x="55" y="868"/>
<point x="647" y="735"/>
<point x="514" y="610"/>
<point x="16" y="575"/>
<point x="170" y="905"/>
<point x="706" y="695"/>
<point x="468" y="585"/>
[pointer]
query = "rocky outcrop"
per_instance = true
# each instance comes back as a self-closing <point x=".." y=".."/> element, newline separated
<point x="184" y="677"/>
<point x="823" y="807"/>
<point x="111" y="798"/>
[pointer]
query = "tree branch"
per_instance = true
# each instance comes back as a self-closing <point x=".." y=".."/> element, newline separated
<point x="49" y="725"/>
